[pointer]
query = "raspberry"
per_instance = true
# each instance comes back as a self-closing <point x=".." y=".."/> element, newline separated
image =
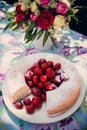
<point x="38" y="71"/>
<point x="19" y="105"/>
<point x="30" y="109"/>
<point x="27" y="77"/>
<point x="57" y="66"/>
<point x="41" y="61"/>
<point x="27" y="101"/>
<point x="30" y="84"/>
<point x="43" y="97"/>
<point x="40" y="85"/>
<point x="37" y="102"/>
<point x="36" y="91"/>
<point x="35" y="65"/>
<point x="50" y="73"/>
<point x="46" y="83"/>
<point x="44" y="66"/>
<point x="49" y="63"/>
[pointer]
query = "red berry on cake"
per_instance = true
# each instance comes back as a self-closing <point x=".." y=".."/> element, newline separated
<point x="57" y="66"/>
<point x="30" y="109"/>
<point x="50" y="73"/>
<point x="41" y="61"/>
<point x="38" y="71"/>
<point x="37" y="102"/>
<point x="30" y="84"/>
<point x="27" y="101"/>
<point x="43" y="97"/>
<point x="44" y="66"/>
<point x="40" y="85"/>
<point x="19" y="105"/>
<point x="43" y="78"/>
<point x="36" y="91"/>
<point x="35" y="79"/>
<point x="50" y="64"/>
<point x="51" y="86"/>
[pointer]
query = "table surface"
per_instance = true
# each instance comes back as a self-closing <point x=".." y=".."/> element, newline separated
<point x="12" y="48"/>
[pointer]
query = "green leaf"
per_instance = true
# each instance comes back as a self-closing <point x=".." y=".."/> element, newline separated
<point x="32" y="26"/>
<point x="27" y="34"/>
<point x="29" y="38"/>
<point x="40" y="34"/>
<point x="16" y="27"/>
<point x="75" y="18"/>
<point x="53" y="42"/>
<point x="75" y="11"/>
<point x="12" y="13"/>
<point x="10" y="25"/>
<point x="45" y="37"/>
<point x="34" y="35"/>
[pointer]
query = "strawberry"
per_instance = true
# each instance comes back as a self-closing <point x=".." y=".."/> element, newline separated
<point x="19" y="105"/>
<point x="27" y="101"/>
<point x="51" y="86"/>
<point x="50" y="73"/>
<point x="30" y="109"/>
<point x="35" y="79"/>
<point x="37" y="102"/>
<point x="36" y="91"/>
<point x="38" y="71"/>
<point x="43" y="78"/>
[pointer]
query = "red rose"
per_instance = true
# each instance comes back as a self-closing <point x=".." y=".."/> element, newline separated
<point x="45" y="19"/>
<point x="61" y="8"/>
<point x="18" y="9"/>
<point x="20" y="17"/>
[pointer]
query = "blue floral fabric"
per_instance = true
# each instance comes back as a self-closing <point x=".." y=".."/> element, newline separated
<point x="73" y="46"/>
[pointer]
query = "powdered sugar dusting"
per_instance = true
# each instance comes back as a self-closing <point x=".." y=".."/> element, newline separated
<point x="67" y="90"/>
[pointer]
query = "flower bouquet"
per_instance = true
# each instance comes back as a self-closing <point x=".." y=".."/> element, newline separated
<point x="41" y="17"/>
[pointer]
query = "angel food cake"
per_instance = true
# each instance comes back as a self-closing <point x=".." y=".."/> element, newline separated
<point x="54" y="81"/>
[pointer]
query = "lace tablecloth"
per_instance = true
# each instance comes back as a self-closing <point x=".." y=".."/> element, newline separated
<point x="73" y="46"/>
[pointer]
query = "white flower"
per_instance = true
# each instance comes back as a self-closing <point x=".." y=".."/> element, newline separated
<point x="37" y="1"/>
<point x="59" y="21"/>
<point x="34" y="7"/>
<point x="24" y="7"/>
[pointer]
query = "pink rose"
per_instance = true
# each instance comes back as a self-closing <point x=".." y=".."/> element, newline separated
<point x="20" y="17"/>
<point x="33" y="16"/>
<point x="44" y="2"/>
<point x="61" y="8"/>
